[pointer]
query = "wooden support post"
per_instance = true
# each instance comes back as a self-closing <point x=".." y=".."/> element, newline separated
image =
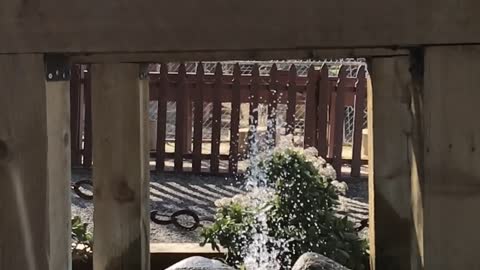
<point x="120" y="173"/>
<point x="34" y="166"/>
<point x="452" y="157"/>
<point x="394" y="243"/>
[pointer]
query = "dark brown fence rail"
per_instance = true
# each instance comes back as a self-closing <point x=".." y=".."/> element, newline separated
<point x="323" y="97"/>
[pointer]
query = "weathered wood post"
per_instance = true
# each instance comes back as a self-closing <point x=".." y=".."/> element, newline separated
<point x="34" y="164"/>
<point x="120" y="167"/>
<point x="451" y="149"/>
<point x="395" y="244"/>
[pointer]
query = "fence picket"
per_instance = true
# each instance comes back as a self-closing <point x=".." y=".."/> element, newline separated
<point x="235" y="121"/>
<point x="253" y="119"/>
<point x="323" y="102"/>
<point x="198" y="121"/>
<point x="360" y="95"/>
<point x="339" y="117"/>
<point x="216" y="119"/>
<point x="292" y="99"/>
<point x="272" y="106"/>
<point x="161" y="118"/>
<point x="310" y="109"/>
<point x="180" y="122"/>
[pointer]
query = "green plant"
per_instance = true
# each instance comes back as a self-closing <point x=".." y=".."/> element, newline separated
<point x="82" y="240"/>
<point x="300" y="212"/>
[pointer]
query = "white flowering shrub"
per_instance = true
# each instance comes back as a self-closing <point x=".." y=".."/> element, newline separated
<point x="298" y="198"/>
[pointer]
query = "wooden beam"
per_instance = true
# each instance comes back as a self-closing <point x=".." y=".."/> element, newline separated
<point x="247" y="54"/>
<point x="452" y="157"/>
<point x="158" y="26"/>
<point x="34" y="166"/>
<point x="393" y="237"/>
<point x="120" y="169"/>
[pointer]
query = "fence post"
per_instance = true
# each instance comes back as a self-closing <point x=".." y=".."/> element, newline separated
<point x="121" y="172"/>
<point x="35" y="162"/>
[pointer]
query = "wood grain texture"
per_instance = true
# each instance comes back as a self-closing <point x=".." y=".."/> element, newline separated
<point x="120" y="173"/>
<point x="267" y="54"/>
<point x="216" y="119"/>
<point x="452" y="157"/>
<point x="161" y="119"/>
<point x="158" y="26"/>
<point x="34" y="167"/>
<point x="360" y="95"/>
<point x="235" y="121"/>
<point x="311" y="109"/>
<point x="272" y="106"/>
<point x="393" y="243"/>
<point x="180" y="118"/>
<point x="75" y="119"/>
<point x="292" y="100"/>
<point x="337" y="124"/>
<point x="322" y="110"/>
<point x="198" y="121"/>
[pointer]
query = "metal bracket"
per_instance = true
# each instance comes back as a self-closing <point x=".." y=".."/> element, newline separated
<point x="57" y="68"/>
<point x="143" y="72"/>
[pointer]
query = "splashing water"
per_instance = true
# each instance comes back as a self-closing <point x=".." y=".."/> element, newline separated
<point x="264" y="250"/>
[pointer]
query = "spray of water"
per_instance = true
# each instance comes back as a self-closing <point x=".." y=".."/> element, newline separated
<point x="264" y="250"/>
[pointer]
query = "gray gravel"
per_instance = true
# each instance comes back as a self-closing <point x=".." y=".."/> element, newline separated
<point x="172" y="192"/>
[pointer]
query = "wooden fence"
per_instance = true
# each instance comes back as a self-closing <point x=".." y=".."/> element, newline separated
<point x="324" y="98"/>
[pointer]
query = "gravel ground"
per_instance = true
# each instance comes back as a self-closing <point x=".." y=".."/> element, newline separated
<point x="173" y="192"/>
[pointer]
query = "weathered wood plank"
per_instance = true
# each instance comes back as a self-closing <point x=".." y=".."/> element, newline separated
<point x="180" y="121"/>
<point x="235" y="121"/>
<point x="34" y="166"/>
<point x="393" y="243"/>
<point x="120" y="174"/>
<point x="294" y="53"/>
<point x="75" y="117"/>
<point x="311" y="109"/>
<point x="292" y="99"/>
<point x="323" y="101"/>
<point x="452" y="157"/>
<point x="216" y="119"/>
<point x="148" y="26"/>
<point x="198" y="121"/>
<point x="337" y="125"/>
<point x="253" y="108"/>
<point x="360" y="96"/>
<point x="59" y="171"/>
<point x="87" y="146"/>
<point x="272" y="106"/>
<point x="161" y="118"/>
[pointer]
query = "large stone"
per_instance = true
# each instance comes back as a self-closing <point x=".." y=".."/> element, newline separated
<point x="199" y="263"/>
<point x="314" y="261"/>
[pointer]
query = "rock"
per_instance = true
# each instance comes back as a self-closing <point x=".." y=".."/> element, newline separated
<point x="199" y="263"/>
<point x="314" y="261"/>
